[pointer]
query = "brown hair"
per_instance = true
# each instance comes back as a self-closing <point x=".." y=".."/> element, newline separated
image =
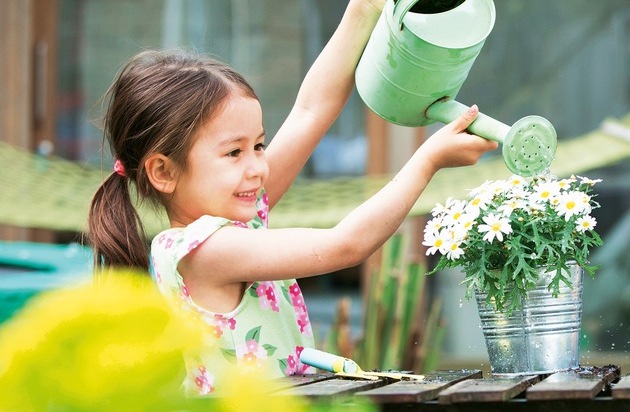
<point x="155" y="105"/>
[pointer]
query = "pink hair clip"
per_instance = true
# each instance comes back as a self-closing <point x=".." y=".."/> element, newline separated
<point x="119" y="168"/>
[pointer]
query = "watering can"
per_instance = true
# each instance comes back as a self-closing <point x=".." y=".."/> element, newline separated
<point x="417" y="59"/>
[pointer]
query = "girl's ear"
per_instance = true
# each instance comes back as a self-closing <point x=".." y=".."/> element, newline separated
<point x="162" y="173"/>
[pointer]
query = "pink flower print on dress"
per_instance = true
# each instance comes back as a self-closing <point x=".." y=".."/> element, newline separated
<point x="216" y="331"/>
<point x="304" y="323"/>
<point x="294" y="289"/>
<point x="263" y="209"/>
<point x="192" y="245"/>
<point x="262" y="214"/>
<point x="251" y="353"/>
<point x="169" y="243"/>
<point x="224" y="322"/>
<point x="156" y="273"/>
<point x="218" y="323"/>
<point x="204" y="381"/>
<point x="298" y="300"/>
<point x="299" y="308"/>
<point x="161" y="238"/>
<point x="185" y="292"/>
<point x="266" y="292"/>
<point x="294" y="366"/>
<point x="240" y="224"/>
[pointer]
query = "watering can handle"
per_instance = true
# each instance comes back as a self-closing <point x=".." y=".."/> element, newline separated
<point x="401" y="7"/>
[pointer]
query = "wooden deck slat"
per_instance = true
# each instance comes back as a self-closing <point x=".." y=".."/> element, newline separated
<point x="486" y="390"/>
<point x="582" y="383"/>
<point x="299" y="380"/>
<point x="621" y="390"/>
<point x="332" y="388"/>
<point x="419" y="391"/>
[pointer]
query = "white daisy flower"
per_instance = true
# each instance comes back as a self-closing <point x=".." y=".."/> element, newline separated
<point x="545" y="192"/>
<point x="454" y="212"/>
<point x="565" y="184"/>
<point x="585" y="223"/>
<point x="570" y="204"/>
<point x="495" y="227"/>
<point x="434" y="225"/>
<point x="588" y="181"/>
<point x="454" y="251"/>
<point x="478" y="203"/>
<point x="436" y="241"/>
<point x="517" y="181"/>
<point x="510" y="205"/>
<point x="440" y="209"/>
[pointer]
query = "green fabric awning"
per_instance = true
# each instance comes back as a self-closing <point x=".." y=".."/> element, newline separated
<point x="54" y="193"/>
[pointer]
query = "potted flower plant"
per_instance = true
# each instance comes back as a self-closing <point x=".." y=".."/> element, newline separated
<point x="522" y="244"/>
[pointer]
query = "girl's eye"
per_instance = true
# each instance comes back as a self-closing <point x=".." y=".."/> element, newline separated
<point x="260" y="146"/>
<point x="234" y="153"/>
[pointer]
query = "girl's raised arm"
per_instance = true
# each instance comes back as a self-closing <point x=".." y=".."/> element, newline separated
<point x="322" y="96"/>
<point x="240" y="255"/>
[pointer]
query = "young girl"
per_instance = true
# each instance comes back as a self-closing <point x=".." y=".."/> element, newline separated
<point x="188" y="133"/>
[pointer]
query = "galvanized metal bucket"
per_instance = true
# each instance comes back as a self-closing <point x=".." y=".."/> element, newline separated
<point x="543" y="336"/>
<point x="414" y="59"/>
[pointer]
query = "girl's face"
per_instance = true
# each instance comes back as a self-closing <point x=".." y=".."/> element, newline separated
<point x="227" y="167"/>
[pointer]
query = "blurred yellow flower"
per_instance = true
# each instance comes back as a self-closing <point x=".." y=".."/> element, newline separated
<point x="110" y="345"/>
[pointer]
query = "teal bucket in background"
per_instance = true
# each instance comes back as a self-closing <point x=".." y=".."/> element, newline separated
<point x="28" y="268"/>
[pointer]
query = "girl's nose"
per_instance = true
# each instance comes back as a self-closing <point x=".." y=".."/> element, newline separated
<point x="257" y="166"/>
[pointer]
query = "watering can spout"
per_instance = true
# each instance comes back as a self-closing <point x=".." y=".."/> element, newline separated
<point x="529" y="145"/>
<point x="416" y="61"/>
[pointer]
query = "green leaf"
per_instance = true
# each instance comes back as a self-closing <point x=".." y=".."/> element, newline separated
<point x="270" y="349"/>
<point x="253" y="334"/>
<point x="229" y="354"/>
<point x="282" y="363"/>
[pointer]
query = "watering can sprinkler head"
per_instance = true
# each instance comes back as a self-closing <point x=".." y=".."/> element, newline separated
<point x="529" y="146"/>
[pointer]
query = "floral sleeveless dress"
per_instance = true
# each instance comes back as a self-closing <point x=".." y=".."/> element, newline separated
<point x="269" y="328"/>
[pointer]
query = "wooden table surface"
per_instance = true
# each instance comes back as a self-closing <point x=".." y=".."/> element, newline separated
<point x="593" y="389"/>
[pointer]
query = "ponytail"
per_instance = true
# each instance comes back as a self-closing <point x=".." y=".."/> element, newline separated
<point x="115" y="230"/>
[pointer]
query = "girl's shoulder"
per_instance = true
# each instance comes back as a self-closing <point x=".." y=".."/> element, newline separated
<point x="180" y="241"/>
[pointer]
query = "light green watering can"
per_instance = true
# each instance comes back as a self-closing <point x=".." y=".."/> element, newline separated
<point x="417" y="59"/>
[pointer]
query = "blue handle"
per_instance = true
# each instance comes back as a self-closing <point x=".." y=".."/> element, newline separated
<point x="327" y="361"/>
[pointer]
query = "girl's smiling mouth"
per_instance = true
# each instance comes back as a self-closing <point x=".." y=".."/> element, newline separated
<point x="249" y="195"/>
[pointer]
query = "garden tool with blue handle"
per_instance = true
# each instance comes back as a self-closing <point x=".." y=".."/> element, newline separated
<point x="348" y="368"/>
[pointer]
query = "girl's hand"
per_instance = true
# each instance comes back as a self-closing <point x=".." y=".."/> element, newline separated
<point x="452" y="146"/>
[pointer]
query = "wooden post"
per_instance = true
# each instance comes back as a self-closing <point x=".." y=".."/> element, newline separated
<point x="378" y="137"/>
<point x="44" y="80"/>
<point x="27" y="83"/>
<point x="15" y="83"/>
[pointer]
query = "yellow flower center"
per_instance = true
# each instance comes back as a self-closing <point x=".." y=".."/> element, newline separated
<point x="570" y="204"/>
